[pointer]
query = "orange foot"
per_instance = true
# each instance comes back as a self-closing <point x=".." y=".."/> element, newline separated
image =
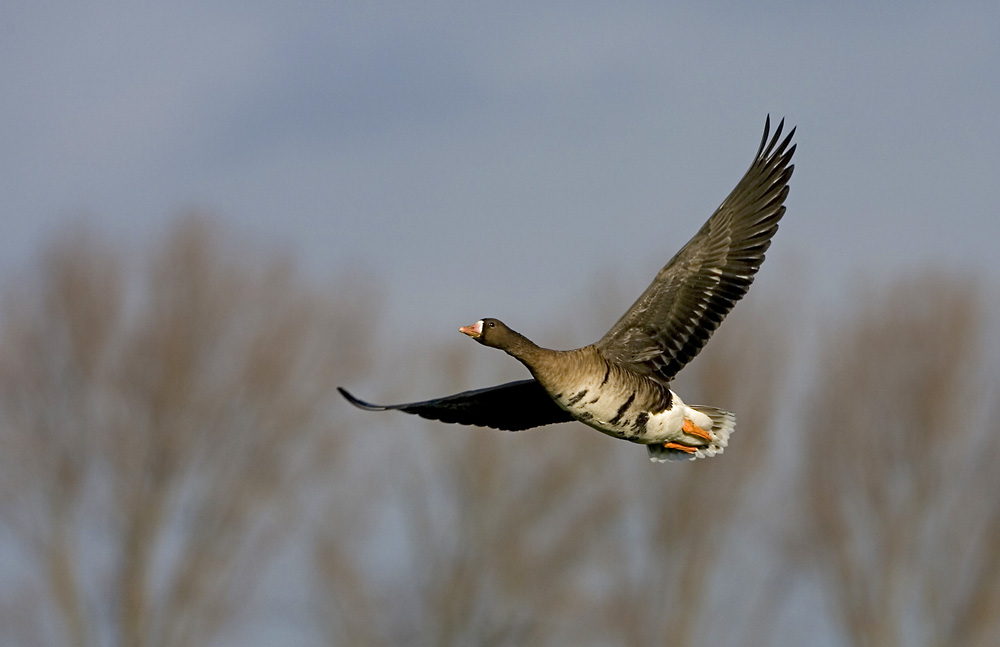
<point x="687" y="449"/>
<point x="693" y="429"/>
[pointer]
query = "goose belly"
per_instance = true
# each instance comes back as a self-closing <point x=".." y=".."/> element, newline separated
<point x="622" y="416"/>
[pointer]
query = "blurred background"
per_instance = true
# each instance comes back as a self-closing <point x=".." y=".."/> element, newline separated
<point x="215" y="213"/>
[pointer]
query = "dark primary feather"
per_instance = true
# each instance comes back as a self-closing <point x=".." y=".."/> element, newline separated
<point x="667" y="326"/>
<point x="514" y="406"/>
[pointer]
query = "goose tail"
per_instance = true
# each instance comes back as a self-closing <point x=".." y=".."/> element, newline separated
<point x="717" y="422"/>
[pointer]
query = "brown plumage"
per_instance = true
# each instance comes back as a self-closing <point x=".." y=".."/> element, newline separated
<point x="620" y="384"/>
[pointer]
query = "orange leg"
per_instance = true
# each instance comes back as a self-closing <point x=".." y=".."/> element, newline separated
<point x="693" y="429"/>
<point x="687" y="449"/>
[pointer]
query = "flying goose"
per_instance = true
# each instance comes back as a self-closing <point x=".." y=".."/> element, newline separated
<point x="621" y="384"/>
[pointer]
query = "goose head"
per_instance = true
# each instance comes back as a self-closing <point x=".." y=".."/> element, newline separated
<point x="491" y="332"/>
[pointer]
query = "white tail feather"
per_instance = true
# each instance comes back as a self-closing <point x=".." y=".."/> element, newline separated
<point x="723" y="424"/>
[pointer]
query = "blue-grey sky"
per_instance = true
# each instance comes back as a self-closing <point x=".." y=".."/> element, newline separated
<point x="494" y="158"/>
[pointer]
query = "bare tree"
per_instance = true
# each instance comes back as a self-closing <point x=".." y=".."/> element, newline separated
<point x="900" y="471"/>
<point x="158" y="422"/>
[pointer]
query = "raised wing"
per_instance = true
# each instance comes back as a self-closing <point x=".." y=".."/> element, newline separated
<point x="667" y="326"/>
<point x="514" y="406"/>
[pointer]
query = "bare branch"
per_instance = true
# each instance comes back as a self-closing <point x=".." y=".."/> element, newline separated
<point x="170" y="414"/>
<point x="895" y="423"/>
